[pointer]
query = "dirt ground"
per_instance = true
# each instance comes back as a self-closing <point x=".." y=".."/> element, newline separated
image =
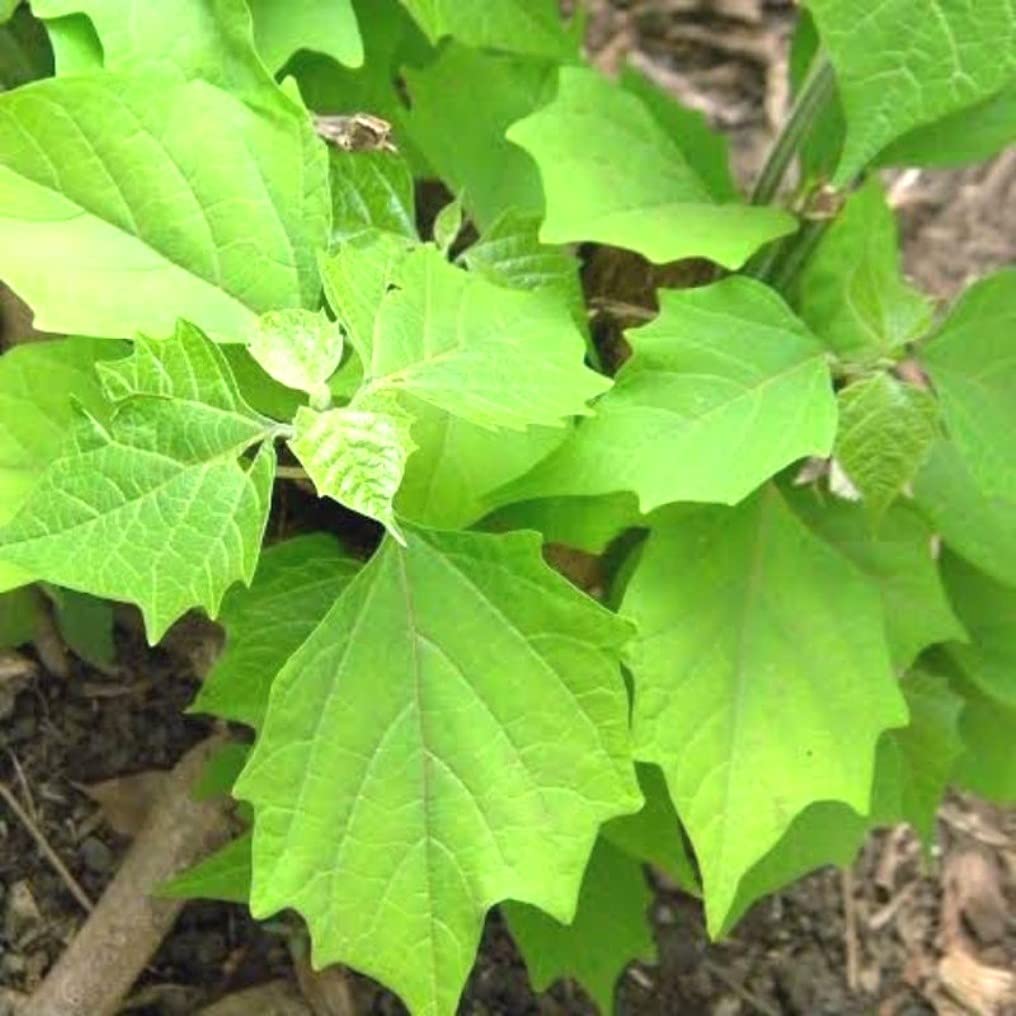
<point x="897" y="935"/>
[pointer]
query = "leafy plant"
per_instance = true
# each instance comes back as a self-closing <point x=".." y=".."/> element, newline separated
<point x="443" y="724"/>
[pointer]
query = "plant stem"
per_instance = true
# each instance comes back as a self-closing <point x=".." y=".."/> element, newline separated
<point x="809" y="105"/>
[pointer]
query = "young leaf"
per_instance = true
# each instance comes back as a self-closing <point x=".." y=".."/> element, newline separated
<point x="242" y="206"/>
<point x="898" y="559"/>
<point x="356" y="455"/>
<point x="494" y="357"/>
<point x="280" y="30"/>
<point x="951" y="56"/>
<point x="462" y="104"/>
<point x="988" y="612"/>
<point x="371" y="190"/>
<point x="851" y="292"/>
<point x="519" y="26"/>
<point x="38" y="385"/>
<point x="609" y="930"/>
<point x="224" y="875"/>
<point x="725" y="388"/>
<point x="299" y="348"/>
<point x="762" y="679"/>
<point x="886" y="431"/>
<point x="448" y="225"/>
<point x="611" y="174"/>
<point x="295" y="585"/>
<point x="158" y="507"/>
<point x="452" y="734"/>
<point x="972" y="362"/>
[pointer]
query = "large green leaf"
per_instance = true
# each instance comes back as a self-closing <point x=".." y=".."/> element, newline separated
<point x="38" y="385"/>
<point x="160" y="506"/>
<point x="988" y="612"/>
<point x="371" y="190"/>
<point x="489" y="355"/>
<point x="886" y="431"/>
<point x="976" y="522"/>
<point x="762" y="679"/>
<point x="609" y="930"/>
<point x="462" y="104"/>
<point x="851" y="291"/>
<point x="240" y="206"/>
<point x="725" y="388"/>
<point x="452" y="735"/>
<point x="612" y="174"/>
<point x="281" y="29"/>
<point x="898" y="559"/>
<point x="295" y="585"/>
<point x="972" y="362"/>
<point x="904" y="63"/>
<point x="520" y="26"/>
<point x="356" y="455"/>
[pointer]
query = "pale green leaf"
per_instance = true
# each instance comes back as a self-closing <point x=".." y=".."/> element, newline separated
<point x="76" y="47"/>
<point x="299" y="348"/>
<point x="225" y="875"/>
<point x="975" y="521"/>
<point x="972" y="362"/>
<point x="329" y="27"/>
<point x="492" y="356"/>
<point x="371" y="190"/>
<point x="852" y="293"/>
<point x="971" y="135"/>
<point x="241" y="208"/>
<point x="904" y="63"/>
<point x="448" y="225"/>
<point x="462" y="104"/>
<point x="886" y="431"/>
<point x="356" y="455"/>
<point x="762" y="679"/>
<point x="7" y="8"/>
<point x="520" y="26"/>
<point x="452" y="735"/>
<point x="707" y="152"/>
<point x="611" y="174"/>
<point x="610" y="929"/>
<point x="295" y="585"/>
<point x="159" y="507"/>
<point x="988" y="612"/>
<point x="898" y="558"/>
<point x="725" y="388"/>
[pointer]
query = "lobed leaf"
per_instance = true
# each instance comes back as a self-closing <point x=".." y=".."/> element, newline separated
<point x="371" y="190"/>
<point x="280" y="30"/>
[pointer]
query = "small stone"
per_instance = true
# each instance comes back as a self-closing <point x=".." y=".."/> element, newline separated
<point x="21" y="915"/>
<point x="97" y="857"/>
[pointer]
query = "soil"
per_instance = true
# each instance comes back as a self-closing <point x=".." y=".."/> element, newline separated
<point x="900" y="934"/>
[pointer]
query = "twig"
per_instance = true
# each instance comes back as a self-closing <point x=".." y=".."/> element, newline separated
<point x="50" y="854"/>
<point x="291" y="473"/>
<point x="850" y="930"/>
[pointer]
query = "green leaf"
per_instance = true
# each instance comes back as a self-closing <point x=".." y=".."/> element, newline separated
<point x="462" y="104"/>
<point x="295" y="585"/>
<point x="977" y="523"/>
<point x="371" y="190"/>
<point x="707" y="152"/>
<point x="25" y="54"/>
<point x="221" y="771"/>
<point x="225" y="875"/>
<point x="262" y="393"/>
<point x="158" y="507"/>
<point x="38" y="385"/>
<point x="86" y="625"/>
<point x="242" y="206"/>
<point x="7" y="8"/>
<point x="610" y="929"/>
<point x="744" y="616"/>
<point x="453" y="734"/>
<point x="886" y="431"/>
<point x="299" y="348"/>
<point x="898" y="559"/>
<point x="280" y="30"/>
<point x="987" y="764"/>
<point x="852" y="293"/>
<point x="75" y="44"/>
<point x="519" y="26"/>
<point x="451" y="477"/>
<point x="972" y="362"/>
<point x="19" y="610"/>
<point x="725" y="388"/>
<point x="448" y="225"/>
<point x="971" y="135"/>
<point x="988" y="612"/>
<point x="356" y="455"/>
<point x="951" y="56"/>
<point x="509" y="253"/>
<point x="494" y="357"/>
<point x="611" y="174"/>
